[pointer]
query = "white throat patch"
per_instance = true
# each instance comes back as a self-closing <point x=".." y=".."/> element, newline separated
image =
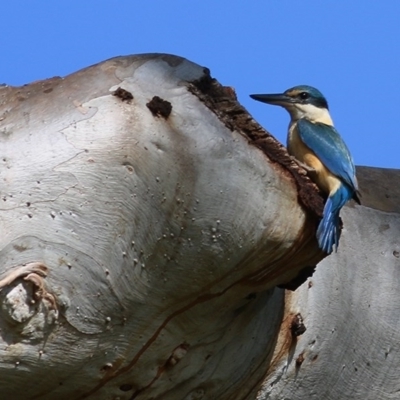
<point x="311" y="112"/>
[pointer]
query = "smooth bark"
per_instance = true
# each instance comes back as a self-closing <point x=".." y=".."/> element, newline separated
<point x="146" y="220"/>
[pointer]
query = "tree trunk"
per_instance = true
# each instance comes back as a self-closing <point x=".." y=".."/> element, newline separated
<point x="147" y="220"/>
<point x="351" y="348"/>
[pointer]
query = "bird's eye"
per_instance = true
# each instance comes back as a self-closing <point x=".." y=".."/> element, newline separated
<point x="304" y="95"/>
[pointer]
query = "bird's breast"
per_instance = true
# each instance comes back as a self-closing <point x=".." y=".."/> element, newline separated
<point x="324" y="178"/>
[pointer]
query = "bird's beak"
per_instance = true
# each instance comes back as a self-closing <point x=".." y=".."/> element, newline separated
<point x="277" y="99"/>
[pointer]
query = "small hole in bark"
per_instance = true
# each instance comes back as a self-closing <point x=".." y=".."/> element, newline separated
<point x="106" y="367"/>
<point x="297" y="326"/>
<point x="299" y="360"/>
<point x="123" y="94"/>
<point x="126" y="387"/>
<point x="159" y="107"/>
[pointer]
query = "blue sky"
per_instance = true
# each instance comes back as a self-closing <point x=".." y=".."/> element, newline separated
<point x="350" y="50"/>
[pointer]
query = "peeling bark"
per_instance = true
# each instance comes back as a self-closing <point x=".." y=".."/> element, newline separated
<point x="164" y="215"/>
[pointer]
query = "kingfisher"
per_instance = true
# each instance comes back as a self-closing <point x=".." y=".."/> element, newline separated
<point x="315" y="143"/>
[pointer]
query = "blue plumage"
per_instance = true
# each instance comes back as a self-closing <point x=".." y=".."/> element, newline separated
<point x="325" y="141"/>
<point x="316" y="143"/>
<point x="328" y="232"/>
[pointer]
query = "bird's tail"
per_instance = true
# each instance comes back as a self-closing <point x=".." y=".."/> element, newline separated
<point x="328" y="232"/>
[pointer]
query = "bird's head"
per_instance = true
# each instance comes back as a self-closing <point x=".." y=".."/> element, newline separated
<point x="301" y="102"/>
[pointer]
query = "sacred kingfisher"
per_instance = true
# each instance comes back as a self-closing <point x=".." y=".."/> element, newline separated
<point x="314" y="142"/>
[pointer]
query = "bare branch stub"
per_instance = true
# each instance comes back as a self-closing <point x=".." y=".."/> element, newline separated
<point x="222" y="101"/>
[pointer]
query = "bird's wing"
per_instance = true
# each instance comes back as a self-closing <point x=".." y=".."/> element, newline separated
<point x="325" y="141"/>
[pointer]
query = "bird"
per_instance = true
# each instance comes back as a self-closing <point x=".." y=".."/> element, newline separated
<point x="315" y="143"/>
